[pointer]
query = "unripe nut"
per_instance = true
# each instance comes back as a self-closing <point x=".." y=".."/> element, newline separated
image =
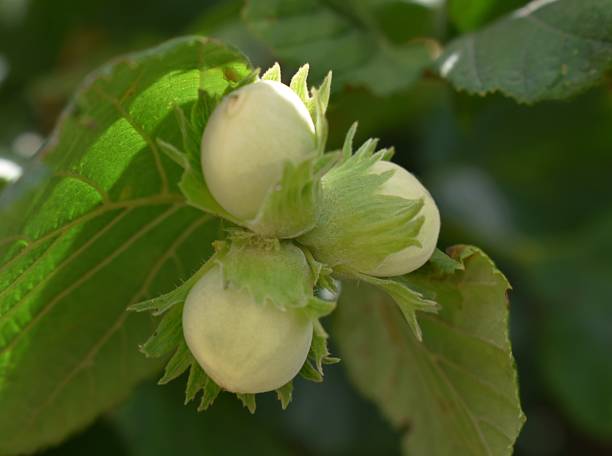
<point x="248" y="139"/>
<point x="405" y="185"/>
<point x="244" y="346"/>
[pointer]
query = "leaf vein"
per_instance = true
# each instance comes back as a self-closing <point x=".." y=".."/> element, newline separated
<point x="118" y="324"/>
<point x="458" y="398"/>
<point x="434" y="319"/>
<point x="496" y="428"/>
<point x="59" y="267"/>
<point x="410" y="341"/>
<point x="472" y="51"/>
<point x="148" y="201"/>
<point x="86" y="276"/>
<point x="548" y="26"/>
<point x="116" y="103"/>
<point x="478" y="379"/>
<point x="90" y="182"/>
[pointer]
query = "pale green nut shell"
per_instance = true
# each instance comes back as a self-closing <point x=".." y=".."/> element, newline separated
<point x="244" y="346"/>
<point x="405" y="185"/>
<point x="249" y="137"/>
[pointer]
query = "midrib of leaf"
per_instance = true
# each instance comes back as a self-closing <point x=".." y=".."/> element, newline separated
<point x="538" y="21"/>
<point x="473" y="422"/>
<point x="429" y="356"/>
<point x="472" y="50"/>
<point x="118" y="324"/>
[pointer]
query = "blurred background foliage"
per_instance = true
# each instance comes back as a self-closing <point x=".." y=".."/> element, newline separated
<point x="529" y="184"/>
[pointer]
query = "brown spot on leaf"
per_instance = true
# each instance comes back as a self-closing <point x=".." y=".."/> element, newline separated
<point x="230" y="74"/>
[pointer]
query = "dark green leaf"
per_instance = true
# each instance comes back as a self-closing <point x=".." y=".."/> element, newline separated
<point x="154" y="422"/>
<point x="96" y="225"/>
<point x="575" y="335"/>
<point x="456" y="391"/>
<point x="545" y="50"/>
<point x="554" y="237"/>
<point x="469" y="14"/>
<point x="340" y="36"/>
<point x="466" y="14"/>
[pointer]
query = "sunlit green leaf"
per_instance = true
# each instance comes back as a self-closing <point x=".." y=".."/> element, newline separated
<point x="97" y="224"/>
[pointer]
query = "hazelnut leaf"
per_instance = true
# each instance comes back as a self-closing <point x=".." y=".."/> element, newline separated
<point x="460" y="381"/>
<point x="546" y="50"/>
<point x="95" y="224"/>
